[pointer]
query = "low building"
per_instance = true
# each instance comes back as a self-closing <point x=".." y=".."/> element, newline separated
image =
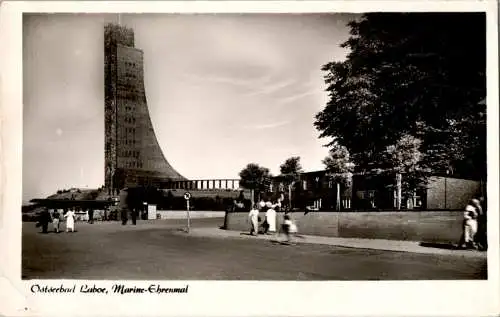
<point x="316" y="191"/>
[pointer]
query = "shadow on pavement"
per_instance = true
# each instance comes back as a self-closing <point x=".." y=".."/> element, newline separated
<point x="435" y="245"/>
<point x="53" y="232"/>
<point x="449" y="246"/>
<point x="281" y="242"/>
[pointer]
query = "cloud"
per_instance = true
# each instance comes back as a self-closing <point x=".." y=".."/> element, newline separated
<point x="296" y="97"/>
<point x="272" y="88"/>
<point x="225" y="79"/>
<point x="268" y="125"/>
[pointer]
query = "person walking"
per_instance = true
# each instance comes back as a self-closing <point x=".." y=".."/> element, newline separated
<point x="44" y="220"/>
<point x="289" y="228"/>
<point x="470" y="225"/>
<point x="481" y="235"/>
<point x="91" y="215"/>
<point x="253" y="217"/>
<point x="56" y="220"/>
<point x="271" y="218"/>
<point x="70" y="220"/>
<point x="263" y="209"/>
<point x="134" y="216"/>
<point x="124" y="216"/>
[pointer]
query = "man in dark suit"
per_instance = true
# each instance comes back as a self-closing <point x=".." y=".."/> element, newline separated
<point x="134" y="216"/>
<point x="124" y="216"/>
<point x="91" y="215"/>
<point x="45" y="219"/>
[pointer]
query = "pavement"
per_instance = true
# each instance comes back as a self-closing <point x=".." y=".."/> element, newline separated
<point x="209" y="227"/>
<point x="372" y="244"/>
<point x="160" y="249"/>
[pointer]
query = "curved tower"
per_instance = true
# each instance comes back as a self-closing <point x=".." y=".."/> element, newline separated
<point x="132" y="154"/>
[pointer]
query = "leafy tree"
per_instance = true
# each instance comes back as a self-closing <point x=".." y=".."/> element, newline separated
<point x="241" y="196"/>
<point x="339" y="168"/>
<point x="92" y="195"/>
<point x="290" y="172"/>
<point x="405" y="158"/>
<point x="411" y="74"/>
<point x="255" y="178"/>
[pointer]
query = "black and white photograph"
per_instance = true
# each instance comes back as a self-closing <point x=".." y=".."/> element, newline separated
<point x="254" y="146"/>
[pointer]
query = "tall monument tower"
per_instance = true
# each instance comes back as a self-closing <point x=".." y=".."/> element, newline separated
<point x="132" y="154"/>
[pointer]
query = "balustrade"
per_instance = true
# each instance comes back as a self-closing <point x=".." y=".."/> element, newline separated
<point x="203" y="184"/>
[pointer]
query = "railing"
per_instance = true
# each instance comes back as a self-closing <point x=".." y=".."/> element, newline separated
<point x="204" y="184"/>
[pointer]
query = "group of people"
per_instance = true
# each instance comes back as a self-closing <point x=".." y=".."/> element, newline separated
<point x="124" y="215"/>
<point x="474" y="234"/>
<point x="474" y="225"/>
<point x="267" y="225"/>
<point x="55" y="217"/>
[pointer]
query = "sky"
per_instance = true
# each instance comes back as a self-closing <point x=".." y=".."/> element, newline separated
<point x="223" y="90"/>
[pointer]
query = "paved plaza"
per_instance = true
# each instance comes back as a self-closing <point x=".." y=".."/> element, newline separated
<point x="160" y="250"/>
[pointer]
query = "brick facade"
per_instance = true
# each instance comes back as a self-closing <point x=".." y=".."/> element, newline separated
<point x="132" y="153"/>
<point x="377" y="192"/>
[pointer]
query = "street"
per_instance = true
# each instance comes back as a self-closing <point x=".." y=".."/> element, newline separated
<point x="157" y="250"/>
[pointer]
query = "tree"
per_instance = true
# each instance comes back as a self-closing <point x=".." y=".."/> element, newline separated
<point x="339" y="168"/>
<point x="290" y="172"/>
<point x="400" y="79"/>
<point x="255" y="178"/>
<point x="404" y="158"/>
<point x="92" y="195"/>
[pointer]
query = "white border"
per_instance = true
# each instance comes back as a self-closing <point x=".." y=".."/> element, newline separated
<point x="463" y="298"/>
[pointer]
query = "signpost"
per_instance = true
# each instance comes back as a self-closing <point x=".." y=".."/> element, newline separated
<point x="187" y="196"/>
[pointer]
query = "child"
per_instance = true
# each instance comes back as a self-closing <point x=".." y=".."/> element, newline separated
<point x="55" y="220"/>
<point x="288" y="227"/>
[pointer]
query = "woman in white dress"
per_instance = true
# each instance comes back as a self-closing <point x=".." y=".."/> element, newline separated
<point x="470" y="224"/>
<point x="271" y="219"/>
<point x="253" y="216"/>
<point x="70" y="220"/>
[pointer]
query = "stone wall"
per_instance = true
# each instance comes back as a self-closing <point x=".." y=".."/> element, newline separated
<point x="428" y="226"/>
<point x="182" y="214"/>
